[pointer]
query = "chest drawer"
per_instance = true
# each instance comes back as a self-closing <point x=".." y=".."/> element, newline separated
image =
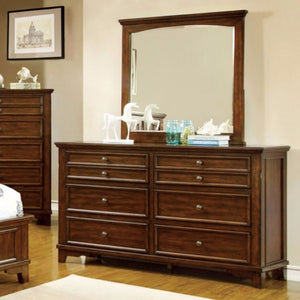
<point x="21" y="100"/>
<point x="108" y="200"/>
<point x="21" y="129"/>
<point x="4" y="111"/>
<point x="32" y="197"/>
<point x="20" y="152"/>
<point x="123" y="236"/>
<point x="195" y="243"/>
<point x="203" y="162"/>
<point x="207" y="207"/>
<point x="21" y="175"/>
<point x="202" y="178"/>
<point x="108" y="159"/>
<point x="107" y="174"/>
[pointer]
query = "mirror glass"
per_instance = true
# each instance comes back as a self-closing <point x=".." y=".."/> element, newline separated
<point x="188" y="71"/>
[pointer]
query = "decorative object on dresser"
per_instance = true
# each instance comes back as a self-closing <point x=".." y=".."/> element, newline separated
<point x="25" y="148"/>
<point x="14" y="246"/>
<point x="24" y="74"/>
<point x="221" y="208"/>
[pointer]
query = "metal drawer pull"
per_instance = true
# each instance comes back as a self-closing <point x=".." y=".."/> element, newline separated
<point x="104" y="159"/>
<point x="198" y="207"/>
<point x="104" y="233"/>
<point x="104" y="200"/>
<point x="199" y="162"/>
<point x="199" y="178"/>
<point x="199" y="243"/>
<point x="104" y="173"/>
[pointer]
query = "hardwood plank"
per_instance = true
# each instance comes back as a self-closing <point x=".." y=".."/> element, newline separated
<point x="44" y="267"/>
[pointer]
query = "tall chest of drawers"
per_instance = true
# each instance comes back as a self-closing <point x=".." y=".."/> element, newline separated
<point x="218" y="208"/>
<point x="25" y="148"/>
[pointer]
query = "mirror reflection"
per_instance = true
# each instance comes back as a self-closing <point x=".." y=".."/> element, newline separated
<point x="186" y="70"/>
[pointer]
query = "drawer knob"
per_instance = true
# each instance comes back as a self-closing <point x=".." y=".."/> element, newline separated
<point x="199" y="162"/>
<point x="104" y="200"/>
<point x="199" y="178"/>
<point x="199" y="243"/>
<point x="104" y="234"/>
<point x="104" y="159"/>
<point x="104" y="173"/>
<point x="198" y="207"/>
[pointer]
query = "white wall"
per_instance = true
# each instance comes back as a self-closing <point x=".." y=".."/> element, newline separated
<point x="272" y="72"/>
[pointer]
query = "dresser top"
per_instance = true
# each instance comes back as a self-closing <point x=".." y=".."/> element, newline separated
<point x="170" y="148"/>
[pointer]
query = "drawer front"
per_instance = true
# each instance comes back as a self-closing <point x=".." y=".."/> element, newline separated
<point x="107" y="174"/>
<point x="204" y="207"/>
<point x="21" y="175"/>
<point x="32" y="197"/>
<point x="108" y="159"/>
<point x="10" y="110"/>
<point x="122" y="236"/>
<point x="21" y="129"/>
<point x="17" y="152"/>
<point x="194" y="243"/>
<point x="108" y="200"/>
<point x="20" y="100"/>
<point x="203" y="162"/>
<point x="202" y="178"/>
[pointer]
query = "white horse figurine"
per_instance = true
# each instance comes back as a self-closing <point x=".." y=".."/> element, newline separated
<point x="147" y="118"/>
<point x="111" y="121"/>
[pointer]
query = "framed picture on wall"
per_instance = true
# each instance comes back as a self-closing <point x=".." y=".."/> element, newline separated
<point x="35" y="33"/>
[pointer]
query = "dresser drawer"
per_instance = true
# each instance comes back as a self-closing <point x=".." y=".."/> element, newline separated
<point x="203" y="162"/>
<point x="204" y="207"/>
<point x="107" y="174"/>
<point x="21" y="129"/>
<point x="21" y="100"/>
<point x="19" y="152"/>
<point x="32" y="197"/>
<point x="202" y="178"/>
<point x="108" y="159"/>
<point x="19" y="110"/>
<point x="108" y="200"/>
<point x="227" y="246"/>
<point x="21" y="175"/>
<point x="122" y="236"/>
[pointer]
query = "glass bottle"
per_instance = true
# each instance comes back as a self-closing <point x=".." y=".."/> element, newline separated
<point x="172" y="132"/>
<point x="186" y="129"/>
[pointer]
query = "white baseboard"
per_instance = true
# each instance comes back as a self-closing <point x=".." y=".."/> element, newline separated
<point x="54" y="205"/>
<point x="293" y="273"/>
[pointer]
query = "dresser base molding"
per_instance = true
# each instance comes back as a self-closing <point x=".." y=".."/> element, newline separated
<point x="256" y="274"/>
<point x="210" y="208"/>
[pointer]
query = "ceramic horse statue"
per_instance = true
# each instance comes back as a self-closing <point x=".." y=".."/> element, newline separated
<point x="111" y="121"/>
<point x="147" y="118"/>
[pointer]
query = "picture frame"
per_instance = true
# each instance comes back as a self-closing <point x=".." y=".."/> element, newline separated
<point x="36" y="33"/>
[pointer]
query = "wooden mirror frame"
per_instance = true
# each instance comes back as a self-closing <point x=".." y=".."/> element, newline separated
<point x="235" y="19"/>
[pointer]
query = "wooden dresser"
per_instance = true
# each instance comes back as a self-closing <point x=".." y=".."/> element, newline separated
<point x="221" y="208"/>
<point x="25" y="148"/>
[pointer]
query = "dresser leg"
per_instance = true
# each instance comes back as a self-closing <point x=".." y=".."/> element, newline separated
<point x="62" y="256"/>
<point x="257" y="280"/>
<point x="279" y="274"/>
<point x="44" y="220"/>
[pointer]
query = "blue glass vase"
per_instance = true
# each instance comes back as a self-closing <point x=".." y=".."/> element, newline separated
<point x="172" y="132"/>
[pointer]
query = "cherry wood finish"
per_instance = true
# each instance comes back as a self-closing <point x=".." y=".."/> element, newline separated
<point x="14" y="247"/>
<point x="221" y="208"/>
<point x="25" y="148"/>
<point x="226" y="18"/>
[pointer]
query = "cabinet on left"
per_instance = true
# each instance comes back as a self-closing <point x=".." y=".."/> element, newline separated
<point x="25" y="148"/>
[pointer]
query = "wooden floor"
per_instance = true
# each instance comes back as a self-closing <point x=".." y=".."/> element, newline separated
<point x="44" y="267"/>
